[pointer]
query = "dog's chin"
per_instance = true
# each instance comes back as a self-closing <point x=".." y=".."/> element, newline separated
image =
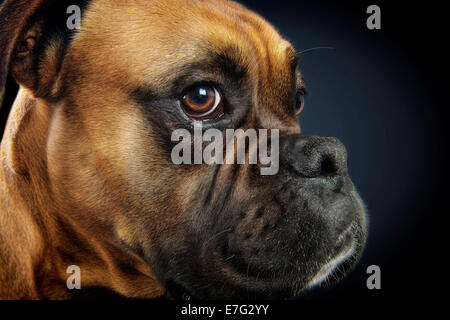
<point x="278" y="286"/>
<point x="177" y="291"/>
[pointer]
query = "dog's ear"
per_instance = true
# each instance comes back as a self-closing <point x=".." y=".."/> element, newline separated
<point x="13" y="18"/>
<point x="33" y="40"/>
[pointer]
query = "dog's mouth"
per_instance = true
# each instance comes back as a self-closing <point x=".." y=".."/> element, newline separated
<point x="279" y="264"/>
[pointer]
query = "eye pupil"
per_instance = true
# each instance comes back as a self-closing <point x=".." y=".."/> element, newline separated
<point x="200" y="96"/>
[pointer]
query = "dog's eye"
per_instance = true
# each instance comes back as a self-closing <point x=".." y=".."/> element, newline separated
<point x="202" y="102"/>
<point x="299" y="102"/>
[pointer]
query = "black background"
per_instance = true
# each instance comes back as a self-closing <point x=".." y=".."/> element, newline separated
<point x="381" y="93"/>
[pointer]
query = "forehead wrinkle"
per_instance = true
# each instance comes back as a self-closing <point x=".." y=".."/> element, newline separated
<point x="251" y="27"/>
<point x="221" y="42"/>
<point x="271" y="48"/>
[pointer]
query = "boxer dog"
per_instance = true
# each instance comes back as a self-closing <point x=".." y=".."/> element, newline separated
<point x="86" y="177"/>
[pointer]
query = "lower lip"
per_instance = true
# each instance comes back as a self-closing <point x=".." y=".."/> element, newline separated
<point x="343" y="250"/>
<point x="344" y="242"/>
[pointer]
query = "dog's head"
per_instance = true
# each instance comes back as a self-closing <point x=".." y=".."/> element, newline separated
<point x="135" y="72"/>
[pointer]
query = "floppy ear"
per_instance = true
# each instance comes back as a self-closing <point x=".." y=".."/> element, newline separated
<point x="13" y="18"/>
<point x="33" y="40"/>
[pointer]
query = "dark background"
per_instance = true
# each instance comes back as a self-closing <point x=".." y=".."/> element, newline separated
<point x="380" y="92"/>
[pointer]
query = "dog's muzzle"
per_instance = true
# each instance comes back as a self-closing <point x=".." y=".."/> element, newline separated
<point x="297" y="229"/>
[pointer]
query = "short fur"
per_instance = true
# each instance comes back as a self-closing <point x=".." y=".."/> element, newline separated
<point x="86" y="177"/>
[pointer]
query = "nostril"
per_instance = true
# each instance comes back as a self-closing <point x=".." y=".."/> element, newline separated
<point x="314" y="156"/>
<point x="328" y="166"/>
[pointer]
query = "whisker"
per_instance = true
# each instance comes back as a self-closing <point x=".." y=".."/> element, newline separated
<point x="315" y="48"/>
<point x="229" y="258"/>
<point x="216" y="235"/>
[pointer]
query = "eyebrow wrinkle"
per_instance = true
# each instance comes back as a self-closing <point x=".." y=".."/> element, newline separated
<point x="235" y="69"/>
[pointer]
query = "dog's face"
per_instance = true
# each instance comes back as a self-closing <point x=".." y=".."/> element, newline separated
<point x="207" y="231"/>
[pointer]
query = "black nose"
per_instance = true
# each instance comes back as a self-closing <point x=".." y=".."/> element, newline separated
<point x="314" y="156"/>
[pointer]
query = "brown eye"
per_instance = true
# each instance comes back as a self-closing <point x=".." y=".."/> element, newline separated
<point x="202" y="102"/>
<point x="299" y="102"/>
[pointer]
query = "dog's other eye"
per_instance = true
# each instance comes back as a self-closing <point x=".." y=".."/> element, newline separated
<point x="202" y="102"/>
<point x="299" y="101"/>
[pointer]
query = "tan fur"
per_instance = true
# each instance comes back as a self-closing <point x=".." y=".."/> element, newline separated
<point x="75" y="166"/>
